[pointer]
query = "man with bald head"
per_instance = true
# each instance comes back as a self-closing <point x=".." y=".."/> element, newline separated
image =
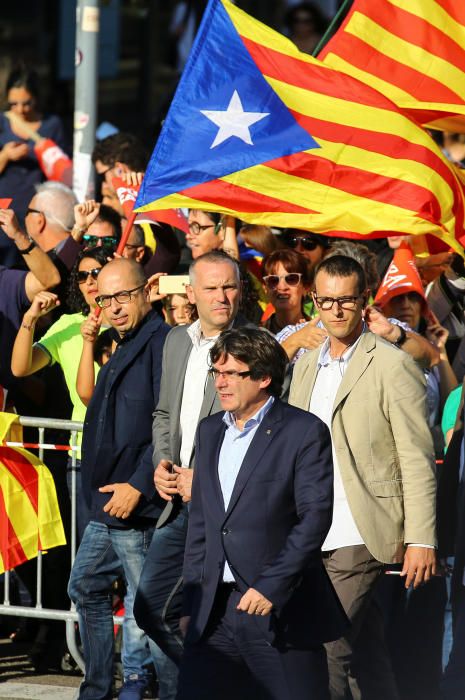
<point x="117" y="474"/>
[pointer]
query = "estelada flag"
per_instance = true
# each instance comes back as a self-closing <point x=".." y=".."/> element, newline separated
<point x="413" y="51"/>
<point x="265" y="133"/>
<point x="30" y="519"/>
<point x="127" y="195"/>
<point x="401" y="277"/>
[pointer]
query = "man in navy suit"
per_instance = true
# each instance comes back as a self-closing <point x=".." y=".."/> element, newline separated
<point x="117" y="477"/>
<point x="257" y="602"/>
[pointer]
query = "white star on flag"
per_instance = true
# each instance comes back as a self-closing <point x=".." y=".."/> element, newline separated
<point x="234" y="121"/>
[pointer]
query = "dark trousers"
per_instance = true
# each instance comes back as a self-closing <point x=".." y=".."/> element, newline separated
<point x="157" y="606"/>
<point x="453" y="684"/>
<point x="233" y="660"/>
<point x="359" y="663"/>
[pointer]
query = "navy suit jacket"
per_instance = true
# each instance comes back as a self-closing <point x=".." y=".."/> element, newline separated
<point x="117" y="439"/>
<point x="272" y="532"/>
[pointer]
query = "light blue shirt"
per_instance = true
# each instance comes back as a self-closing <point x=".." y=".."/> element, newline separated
<point x="233" y="450"/>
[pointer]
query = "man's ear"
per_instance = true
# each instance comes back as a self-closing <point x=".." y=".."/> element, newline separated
<point x="265" y="382"/>
<point x="41" y="222"/>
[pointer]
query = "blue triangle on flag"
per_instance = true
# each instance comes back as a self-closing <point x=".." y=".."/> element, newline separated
<point x="224" y="116"/>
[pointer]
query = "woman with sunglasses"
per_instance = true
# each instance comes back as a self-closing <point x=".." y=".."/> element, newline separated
<point x="19" y="168"/>
<point x="63" y="341"/>
<point x="286" y="283"/>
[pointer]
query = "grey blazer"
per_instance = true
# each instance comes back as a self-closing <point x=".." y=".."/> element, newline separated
<point x="166" y="418"/>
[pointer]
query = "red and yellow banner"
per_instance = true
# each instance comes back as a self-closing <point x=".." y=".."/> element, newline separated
<point x="30" y="519"/>
<point x="412" y="51"/>
<point x="374" y="171"/>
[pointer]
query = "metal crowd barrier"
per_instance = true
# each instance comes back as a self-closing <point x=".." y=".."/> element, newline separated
<point x="69" y="617"/>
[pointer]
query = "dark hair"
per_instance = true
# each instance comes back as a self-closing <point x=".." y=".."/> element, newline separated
<point x="103" y="342"/>
<point x="140" y="235"/>
<point x="75" y="298"/>
<point x="319" y="18"/>
<point x="23" y="77"/>
<point x="123" y="148"/>
<point x="343" y="266"/>
<point x="324" y="241"/>
<point x="108" y="215"/>
<point x="215" y="216"/>
<point x="362" y="255"/>
<point x="258" y="349"/>
<point x="290" y="259"/>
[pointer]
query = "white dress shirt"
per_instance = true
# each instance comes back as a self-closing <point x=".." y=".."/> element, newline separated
<point x="194" y="389"/>
<point x="343" y="532"/>
<point x="233" y="450"/>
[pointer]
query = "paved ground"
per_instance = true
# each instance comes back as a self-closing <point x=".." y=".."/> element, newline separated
<point x="19" y="681"/>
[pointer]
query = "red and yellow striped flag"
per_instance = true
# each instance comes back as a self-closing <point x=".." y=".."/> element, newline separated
<point x="413" y="51"/>
<point x="263" y="132"/>
<point x="29" y="514"/>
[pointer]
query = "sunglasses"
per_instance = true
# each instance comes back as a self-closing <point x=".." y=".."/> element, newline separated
<point x="307" y="243"/>
<point x="93" y="241"/>
<point x="292" y="279"/>
<point x="83" y="275"/>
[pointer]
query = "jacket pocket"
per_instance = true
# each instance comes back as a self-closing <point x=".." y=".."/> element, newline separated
<point x="386" y="489"/>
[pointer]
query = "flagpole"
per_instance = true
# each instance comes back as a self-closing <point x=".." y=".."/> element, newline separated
<point x="328" y="33"/>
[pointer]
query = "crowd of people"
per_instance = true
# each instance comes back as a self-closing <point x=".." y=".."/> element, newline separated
<point x="262" y="448"/>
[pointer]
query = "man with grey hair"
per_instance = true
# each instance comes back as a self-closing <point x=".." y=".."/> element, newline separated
<point x="49" y="220"/>
<point x="50" y="215"/>
<point x="187" y="394"/>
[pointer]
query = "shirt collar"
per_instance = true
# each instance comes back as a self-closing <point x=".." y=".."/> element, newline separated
<point x="252" y="422"/>
<point x="325" y="358"/>
<point x="197" y="337"/>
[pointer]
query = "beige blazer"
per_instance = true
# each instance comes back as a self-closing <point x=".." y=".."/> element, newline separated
<point x="383" y="444"/>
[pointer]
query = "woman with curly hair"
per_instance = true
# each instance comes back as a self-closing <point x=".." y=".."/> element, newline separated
<point x="63" y="341"/>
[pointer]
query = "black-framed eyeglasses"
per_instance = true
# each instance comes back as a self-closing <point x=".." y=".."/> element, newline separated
<point x="123" y="297"/>
<point x="83" y="275"/>
<point x="307" y="242"/>
<point x="93" y="241"/>
<point x="29" y="210"/>
<point x="292" y="279"/>
<point x="227" y="374"/>
<point x="327" y="303"/>
<point x="196" y="228"/>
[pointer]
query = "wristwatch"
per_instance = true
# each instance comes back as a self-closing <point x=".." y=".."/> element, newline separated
<point x="27" y="250"/>
<point x="402" y="338"/>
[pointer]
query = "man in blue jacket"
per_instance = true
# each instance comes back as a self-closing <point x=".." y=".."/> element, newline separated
<point x="258" y="604"/>
<point x="117" y="472"/>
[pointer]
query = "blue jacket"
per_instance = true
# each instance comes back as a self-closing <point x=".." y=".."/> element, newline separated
<point x="278" y="516"/>
<point x="117" y="439"/>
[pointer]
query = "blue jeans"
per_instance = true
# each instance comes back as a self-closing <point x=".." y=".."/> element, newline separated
<point x="89" y="588"/>
<point x="157" y="607"/>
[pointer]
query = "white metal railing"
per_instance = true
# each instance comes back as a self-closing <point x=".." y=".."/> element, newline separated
<point x="69" y="617"/>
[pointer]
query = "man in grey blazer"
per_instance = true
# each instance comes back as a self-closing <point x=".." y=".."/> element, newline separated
<point x="371" y="395"/>
<point x="187" y="394"/>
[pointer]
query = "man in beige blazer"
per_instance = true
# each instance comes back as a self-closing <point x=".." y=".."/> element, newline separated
<point x="372" y="397"/>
